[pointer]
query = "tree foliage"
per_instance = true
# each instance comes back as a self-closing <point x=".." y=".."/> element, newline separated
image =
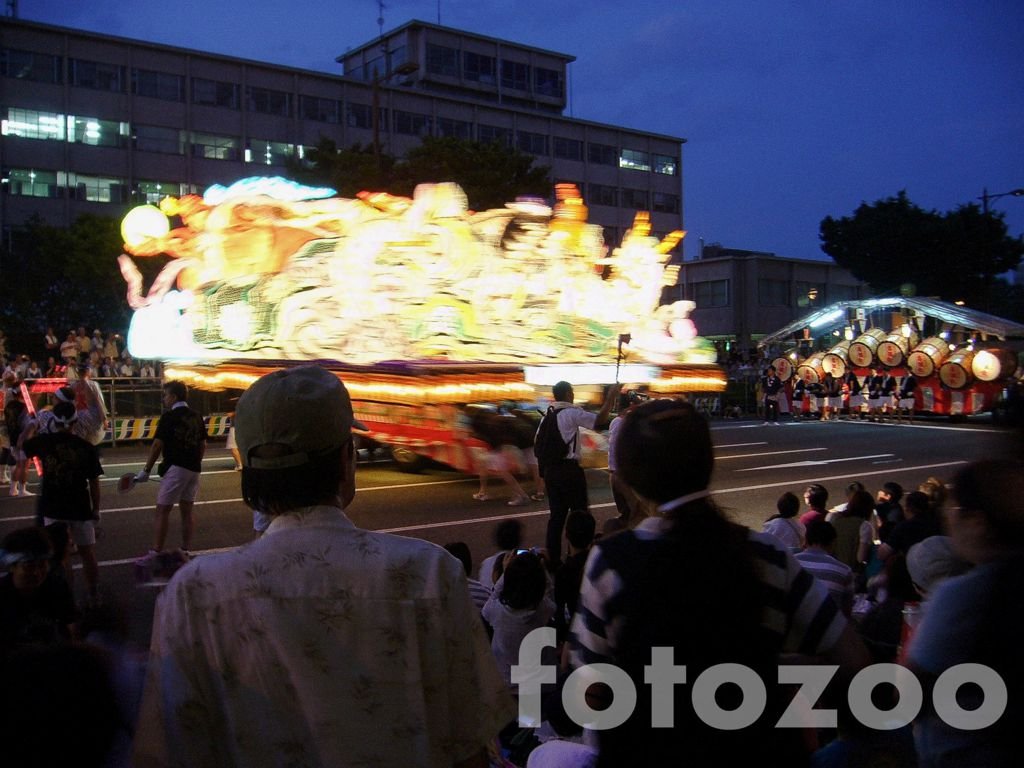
<point x="893" y="242"/>
<point x="490" y="174"/>
<point x="346" y="170"/>
<point x="65" y="278"/>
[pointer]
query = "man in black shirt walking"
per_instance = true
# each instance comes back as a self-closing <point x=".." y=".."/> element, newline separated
<point x="181" y="438"/>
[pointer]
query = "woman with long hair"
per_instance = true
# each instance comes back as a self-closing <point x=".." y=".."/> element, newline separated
<point x="690" y="580"/>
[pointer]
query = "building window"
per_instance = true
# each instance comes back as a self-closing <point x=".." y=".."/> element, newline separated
<point x="634" y="160"/>
<point x="98" y="189"/>
<point x="515" y="75"/>
<point x="214" y="147"/>
<point x="810" y="294"/>
<point x="153" y="192"/>
<point x="602" y="154"/>
<point x="636" y="199"/>
<point x="396" y="58"/>
<point x="320" y="110"/>
<point x="666" y="164"/>
<point x="442" y="60"/>
<point x="96" y="75"/>
<point x="96" y="132"/>
<point x="158" y="85"/>
<point x="711" y="293"/>
<point x="843" y="293"/>
<point x="156" y="138"/>
<point x="30" y="124"/>
<point x="772" y="293"/>
<point x="534" y="143"/>
<point x="268" y="102"/>
<point x="602" y="194"/>
<point x="492" y="133"/>
<point x="456" y="129"/>
<point x="666" y="203"/>
<point x="479" y="68"/>
<point x="267" y="152"/>
<point x="213" y="93"/>
<point x="359" y="116"/>
<point x="29" y="65"/>
<point x="411" y="124"/>
<point x="568" y="149"/>
<point x="304" y="155"/>
<point x="548" y="82"/>
<point x="23" y="182"/>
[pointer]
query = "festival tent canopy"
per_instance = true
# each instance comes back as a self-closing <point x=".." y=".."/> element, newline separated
<point x="838" y="315"/>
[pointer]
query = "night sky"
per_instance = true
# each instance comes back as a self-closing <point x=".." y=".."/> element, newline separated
<point x="792" y="111"/>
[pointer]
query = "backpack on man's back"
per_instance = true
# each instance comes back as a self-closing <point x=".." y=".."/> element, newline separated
<point x="549" y="446"/>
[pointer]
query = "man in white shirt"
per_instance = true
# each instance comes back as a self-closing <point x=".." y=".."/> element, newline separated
<point x="343" y="646"/>
<point x="564" y="478"/>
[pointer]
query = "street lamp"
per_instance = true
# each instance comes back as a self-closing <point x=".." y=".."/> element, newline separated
<point x="985" y="197"/>
<point x="402" y="69"/>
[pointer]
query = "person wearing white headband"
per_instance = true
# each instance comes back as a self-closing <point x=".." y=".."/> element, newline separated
<point x="70" y="489"/>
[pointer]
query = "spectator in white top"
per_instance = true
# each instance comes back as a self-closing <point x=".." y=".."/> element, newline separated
<point x="784" y="525"/>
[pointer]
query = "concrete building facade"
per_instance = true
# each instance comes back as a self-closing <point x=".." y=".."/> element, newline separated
<point x="742" y="296"/>
<point x="96" y="124"/>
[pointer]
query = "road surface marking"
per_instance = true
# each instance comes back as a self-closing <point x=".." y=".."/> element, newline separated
<point x="773" y="453"/>
<point x="822" y="462"/>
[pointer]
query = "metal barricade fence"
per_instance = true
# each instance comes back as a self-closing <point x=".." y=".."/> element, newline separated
<point x="134" y="406"/>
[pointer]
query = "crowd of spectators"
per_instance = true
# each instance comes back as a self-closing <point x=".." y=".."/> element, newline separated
<point x="846" y="583"/>
<point x="104" y="354"/>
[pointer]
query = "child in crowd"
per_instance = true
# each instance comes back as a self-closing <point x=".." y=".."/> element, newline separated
<point x="519" y="604"/>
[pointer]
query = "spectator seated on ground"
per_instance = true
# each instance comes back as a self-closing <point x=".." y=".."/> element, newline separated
<point x="508" y="537"/>
<point x="34" y="608"/>
<point x="519" y="604"/>
<point x="478" y="593"/>
<point x="851" y="489"/>
<point x="882" y="625"/>
<point x="887" y="508"/>
<point x="783" y="525"/>
<point x="919" y="523"/>
<point x="931" y="562"/>
<point x="580" y="527"/>
<point x="854" y="532"/>
<point x="816" y="497"/>
<point x="976" y="619"/>
<point x="817" y="558"/>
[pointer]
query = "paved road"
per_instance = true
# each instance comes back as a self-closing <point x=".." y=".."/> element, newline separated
<point x="755" y="464"/>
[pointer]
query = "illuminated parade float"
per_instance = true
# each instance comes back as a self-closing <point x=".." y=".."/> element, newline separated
<point x="961" y="359"/>
<point x="421" y="305"/>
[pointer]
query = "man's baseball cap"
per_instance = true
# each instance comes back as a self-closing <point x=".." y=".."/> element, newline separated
<point x="305" y="410"/>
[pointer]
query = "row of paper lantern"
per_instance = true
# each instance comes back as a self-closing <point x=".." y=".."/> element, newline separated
<point x="956" y="368"/>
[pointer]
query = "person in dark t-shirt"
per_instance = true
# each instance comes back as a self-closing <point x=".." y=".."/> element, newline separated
<point x="70" y="487"/>
<point x="181" y="438"/>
